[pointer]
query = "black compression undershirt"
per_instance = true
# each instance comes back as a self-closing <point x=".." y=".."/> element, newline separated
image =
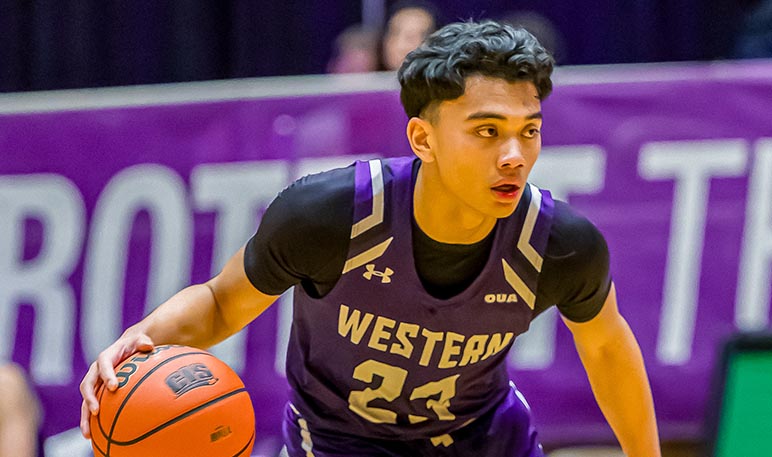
<point x="304" y="235"/>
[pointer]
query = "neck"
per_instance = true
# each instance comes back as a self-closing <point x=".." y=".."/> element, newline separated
<point x="444" y="218"/>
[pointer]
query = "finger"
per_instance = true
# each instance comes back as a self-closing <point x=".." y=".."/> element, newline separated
<point x="85" y="417"/>
<point x="88" y="388"/>
<point x="144" y="343"/>
<point x="106" y="369"/>
<point x="111" y="357"/>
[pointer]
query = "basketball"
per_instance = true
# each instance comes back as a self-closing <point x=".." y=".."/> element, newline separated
<point x="174" y="401"/>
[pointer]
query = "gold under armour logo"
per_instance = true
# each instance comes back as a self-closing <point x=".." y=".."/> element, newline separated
<point x="384" y="275"/>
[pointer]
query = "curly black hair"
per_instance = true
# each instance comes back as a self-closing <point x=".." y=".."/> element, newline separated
<point x="437" y="70"/>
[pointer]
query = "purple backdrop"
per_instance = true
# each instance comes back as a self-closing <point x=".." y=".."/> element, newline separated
<point x="105" y="210"/>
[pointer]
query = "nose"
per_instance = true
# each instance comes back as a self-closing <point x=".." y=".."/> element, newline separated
<point x="511" y="155"/>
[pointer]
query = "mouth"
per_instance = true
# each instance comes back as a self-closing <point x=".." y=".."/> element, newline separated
<point x="506" y="191"/>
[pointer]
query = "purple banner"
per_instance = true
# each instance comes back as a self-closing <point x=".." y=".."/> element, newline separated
<point x="113" y="200"/>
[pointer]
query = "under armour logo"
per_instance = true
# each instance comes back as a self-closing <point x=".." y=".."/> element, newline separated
<point x="384" y="275"/>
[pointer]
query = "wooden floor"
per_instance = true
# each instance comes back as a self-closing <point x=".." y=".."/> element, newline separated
<point x="673" y="449"/>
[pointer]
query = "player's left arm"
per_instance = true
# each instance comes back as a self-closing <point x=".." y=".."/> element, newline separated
<point x="614" y="365"/>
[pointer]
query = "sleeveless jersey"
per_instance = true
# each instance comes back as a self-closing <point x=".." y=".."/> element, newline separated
<point x="378" y="356"/>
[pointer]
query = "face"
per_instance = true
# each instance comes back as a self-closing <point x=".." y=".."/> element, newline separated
<point x="483" y="145"/>
<point x="405" y="32"/>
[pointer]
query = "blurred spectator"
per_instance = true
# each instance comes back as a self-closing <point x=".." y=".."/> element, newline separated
<point x="19" y="414"/>
<point x="754" y="39"/>
<point x="355" y="51"/>
<point x="409" y="22"/>
<point x="542" y="28"/>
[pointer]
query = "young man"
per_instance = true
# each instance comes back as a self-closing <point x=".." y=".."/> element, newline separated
<point x="414" y="275"/>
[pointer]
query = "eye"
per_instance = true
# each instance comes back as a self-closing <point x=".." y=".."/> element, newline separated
<point x="487" y="132"/>
<point x="531" y="132"/>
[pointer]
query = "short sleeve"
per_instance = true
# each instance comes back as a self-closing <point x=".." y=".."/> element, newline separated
<point x="303" y="236"/>
<point x="575" y="275"/>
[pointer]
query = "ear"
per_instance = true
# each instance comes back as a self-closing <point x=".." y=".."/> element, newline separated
<point x="419" y="134"/>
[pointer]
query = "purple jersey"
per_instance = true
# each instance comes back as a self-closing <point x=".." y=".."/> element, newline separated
<point x="378" y="356"/>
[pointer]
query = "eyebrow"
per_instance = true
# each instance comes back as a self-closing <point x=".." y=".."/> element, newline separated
<point x="492" y="115"/>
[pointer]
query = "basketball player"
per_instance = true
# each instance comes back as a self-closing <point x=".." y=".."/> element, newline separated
<point x="414" y="276"/>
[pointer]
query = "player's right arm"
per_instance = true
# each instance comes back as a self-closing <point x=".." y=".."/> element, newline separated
<point x="200" y="316"/>
<point x="303" y="236"/>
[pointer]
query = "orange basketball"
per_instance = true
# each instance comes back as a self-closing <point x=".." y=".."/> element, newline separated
<point x="174" y="401"/>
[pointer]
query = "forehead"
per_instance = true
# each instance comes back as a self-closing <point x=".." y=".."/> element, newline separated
<point x="496" y="95"/>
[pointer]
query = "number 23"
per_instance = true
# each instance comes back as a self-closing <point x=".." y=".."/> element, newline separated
<point x="391" y="388"/>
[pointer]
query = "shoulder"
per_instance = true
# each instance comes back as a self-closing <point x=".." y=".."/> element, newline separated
<point x="12" y="375"/>
<point x="20" y="393"/>
<point x="304" y="233"/>
<point x="573" y="235"/>
<point x="315" y="195"/>
<point x="575" y="274"/>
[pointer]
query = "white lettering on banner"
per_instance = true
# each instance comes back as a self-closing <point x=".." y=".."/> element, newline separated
<point x="69" y="443"/>
<point x="564" y="170"/>
<point x="753" y="283"/>
<point x="236" y="191"/>
<point x="691" y="164"/>
<point x="161" y="192"/>
<point x="41" y="281"/>
<point x="283" y="328"/>
<point x="574" y="169"/>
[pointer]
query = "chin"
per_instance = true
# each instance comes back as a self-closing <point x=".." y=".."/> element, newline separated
<point x="502" y="211"/>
